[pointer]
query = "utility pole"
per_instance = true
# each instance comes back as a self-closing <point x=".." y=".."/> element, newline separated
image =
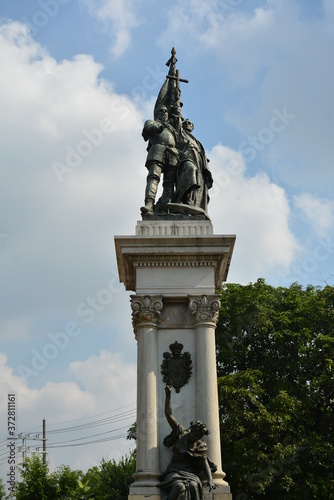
<point x="44" y="441"/>
<point x="35" y="437"/>
<point x="23" y="448"/>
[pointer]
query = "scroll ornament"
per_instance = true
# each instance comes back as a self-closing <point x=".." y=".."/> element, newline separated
<point x="205" y="308"/>
<point x="146" y="309"/>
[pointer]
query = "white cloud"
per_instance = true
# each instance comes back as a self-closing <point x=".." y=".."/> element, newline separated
<point x="59" y="250"/>
<point x="87" y="396"/>
<point x="319" y="213"/>
<point x="112" y="375"/>
<point x="59" y="247"/>
<point x="280" y="55"/>
<point x="202" y="26"/>
<point x="199" y="18"/>
<point x="61" y="122"/>
<point x="258" y="211"/>
<point x="117" y="16"/>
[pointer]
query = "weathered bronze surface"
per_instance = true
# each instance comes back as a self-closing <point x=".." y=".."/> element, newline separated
<point x="176" y="366"/>
<point x="175" y="153"/>
<point x="181" y="480"/>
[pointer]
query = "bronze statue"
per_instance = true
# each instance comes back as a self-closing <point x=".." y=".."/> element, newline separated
<point x="193" y="177"/>
<point x="162" y="156"/>
<point x="174" y="152"/>
<point x="182" y="480"/>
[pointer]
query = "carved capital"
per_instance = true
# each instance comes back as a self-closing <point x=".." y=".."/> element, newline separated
<point x="204" y="308"/>
<point x="145" y="309"/>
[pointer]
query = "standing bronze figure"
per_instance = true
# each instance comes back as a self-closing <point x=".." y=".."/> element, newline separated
<point x="193" y="176"/>
<point x="162" y="157"/>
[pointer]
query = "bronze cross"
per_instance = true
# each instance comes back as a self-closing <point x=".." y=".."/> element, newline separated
<point x="177" y="78"/>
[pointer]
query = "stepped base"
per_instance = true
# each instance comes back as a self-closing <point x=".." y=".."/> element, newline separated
<point x="218" y="494"/>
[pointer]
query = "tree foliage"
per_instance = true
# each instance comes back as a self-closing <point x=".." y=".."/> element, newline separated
<point x="109" y="481"/>
<point x="132" y="432"/>
<point x="2" y="490"/>
<point x="68" y="483"/>
<point x="36" y="481"/>
<point x="275" y="351"/>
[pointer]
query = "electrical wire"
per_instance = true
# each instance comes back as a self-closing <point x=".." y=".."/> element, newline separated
<point x="96" y="423"/>
<point x="86" y="418"/>
<point x="80" y="425"/>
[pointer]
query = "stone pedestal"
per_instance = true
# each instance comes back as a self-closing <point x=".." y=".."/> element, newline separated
<point x="174" y="268"/>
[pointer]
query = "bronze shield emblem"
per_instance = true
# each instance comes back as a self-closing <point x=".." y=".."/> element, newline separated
<point x="176" y="366"/>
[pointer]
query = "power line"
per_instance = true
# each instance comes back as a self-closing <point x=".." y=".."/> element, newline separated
<point x="86" y="437"/>
<point x="130" y="414"/>
<point x="91" y="416"/>
<point x="96" y="423"/>
<point x="104" y="440"/>
<point x="80" y="425"/>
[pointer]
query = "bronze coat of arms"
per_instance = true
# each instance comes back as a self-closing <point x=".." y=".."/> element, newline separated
<point x="176" y="366"/>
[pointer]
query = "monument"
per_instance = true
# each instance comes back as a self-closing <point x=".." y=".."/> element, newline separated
<point x="174" y="264"/>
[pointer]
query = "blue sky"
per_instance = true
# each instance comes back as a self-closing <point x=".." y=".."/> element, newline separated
<point x="79" y="78"/>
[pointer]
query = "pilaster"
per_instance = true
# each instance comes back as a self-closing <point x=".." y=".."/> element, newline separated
<point x="146" y="312"/>
<point x="204" y="312"/>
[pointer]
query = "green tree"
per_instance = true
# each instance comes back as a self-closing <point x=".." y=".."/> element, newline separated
<point x="83" y="491"/>
<point x="68" y="482"/>
<point x="111" y="480"/>
<point x="2" y="490"/>
<point x="275" y="351"/>
<point x="36" y="481"/>
<point x="132" y="432"/>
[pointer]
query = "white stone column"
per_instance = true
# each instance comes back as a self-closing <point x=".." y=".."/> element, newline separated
<point x="204" y="310"/>
<point x="145" y="313"/>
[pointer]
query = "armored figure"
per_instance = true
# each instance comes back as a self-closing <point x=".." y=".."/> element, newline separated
<point x="162" y="157"/>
